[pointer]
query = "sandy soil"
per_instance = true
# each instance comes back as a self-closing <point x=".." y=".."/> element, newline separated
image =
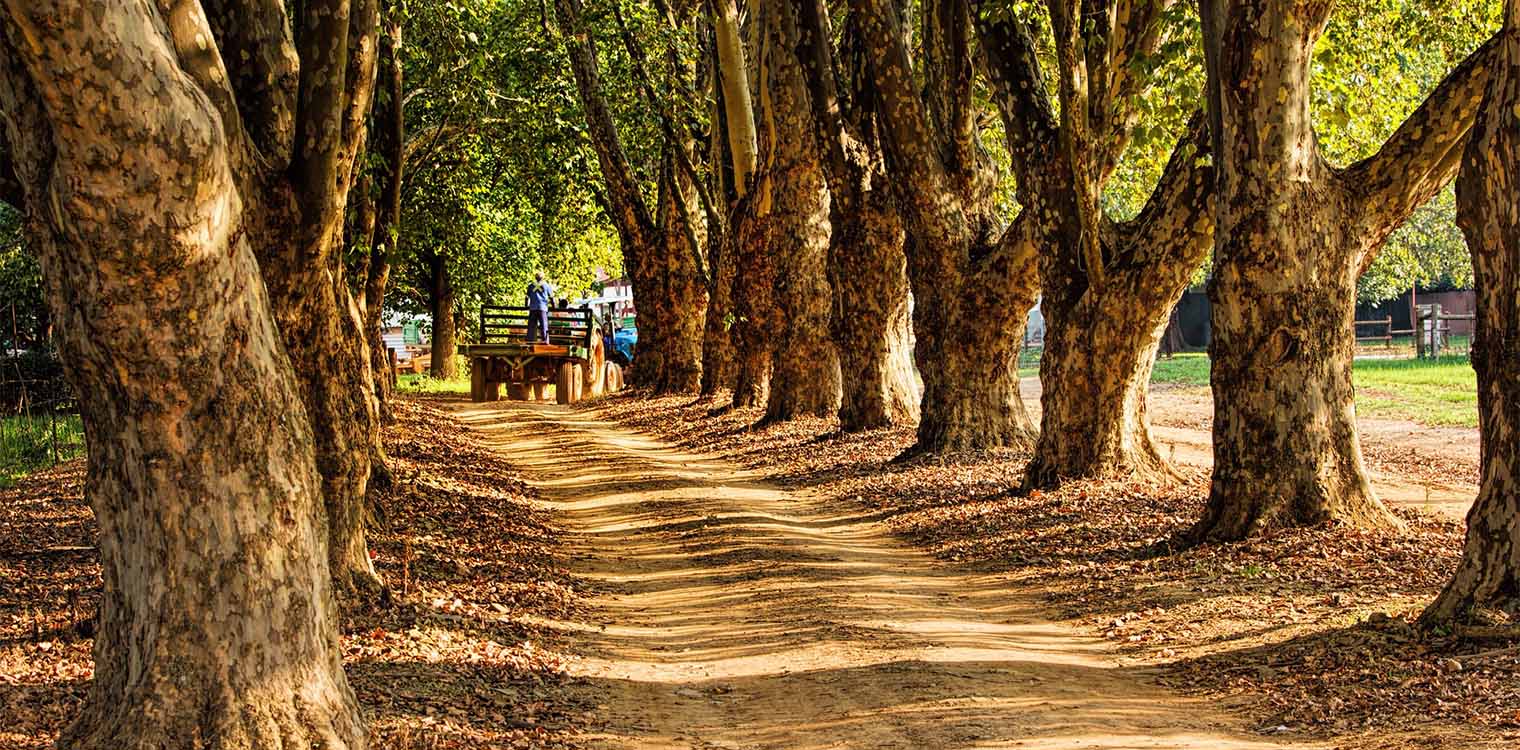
<point x="1411" y="465"/>
<point x="734" y="614"/>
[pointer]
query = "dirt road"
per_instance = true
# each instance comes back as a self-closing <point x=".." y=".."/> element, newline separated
<point x="738" y="615"/>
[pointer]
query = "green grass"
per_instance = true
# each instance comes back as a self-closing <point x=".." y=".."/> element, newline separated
<point x="26" y="444"/>
<point x="1442" y="393"/>
<point x="413" y="383"/>
<point x="1187" y="368"/>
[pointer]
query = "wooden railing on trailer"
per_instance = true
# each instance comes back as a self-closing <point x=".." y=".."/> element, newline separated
<point x="568" y="326"/>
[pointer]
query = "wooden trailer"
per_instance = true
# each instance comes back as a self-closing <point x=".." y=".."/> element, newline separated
<point x="573" y="362"/>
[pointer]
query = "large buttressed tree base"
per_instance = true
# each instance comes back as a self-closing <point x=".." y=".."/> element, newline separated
<point x="1106" y="286"/>
<point x="1293" y="235"/>
<point x="973" y="282"/>
<point x="871" y="322"/>
<point x="1488" y="209"/>
<point x="217" y="622"/>
<point x="804" y="363"/>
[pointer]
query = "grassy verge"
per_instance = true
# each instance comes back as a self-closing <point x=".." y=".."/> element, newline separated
<point x="27" y="444"/>
<point x="413" y="383"/>
<point x="1441" y="392"/>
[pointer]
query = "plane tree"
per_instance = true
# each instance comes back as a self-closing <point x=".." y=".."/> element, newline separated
<point x="162" y="156"/>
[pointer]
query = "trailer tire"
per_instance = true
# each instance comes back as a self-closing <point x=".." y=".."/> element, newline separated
<point x="564" y="387"/>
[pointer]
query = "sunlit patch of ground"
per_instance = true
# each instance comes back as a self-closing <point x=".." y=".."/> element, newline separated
<point x="1307" y="631"/>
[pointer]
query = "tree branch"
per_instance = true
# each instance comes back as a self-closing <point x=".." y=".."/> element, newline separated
<point x="363" y="63"/>
<point x="259" y="54"/>
<point x="1076" y="138"/>
<point x="949" y="82"/>
<point x="1421" y="156"/>
<point x="323" y="44"/>
<point x="1028" y="117"/>
<point x="934" y="208"/>
<point x="623" y="197"/>
<point x="1139" y="34"/>
<point x="1175" y="229"/>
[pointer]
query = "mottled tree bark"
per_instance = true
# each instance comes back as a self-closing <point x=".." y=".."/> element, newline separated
<point x="299" y="249"/>
<point x="1293" y="235"/>
<point x="870" y="323"/>
<point x="1487" y="189"/>
<point x="679" y="294"/>
<point x="804" y="361"/>
<point x="390" y="145"/>
<point x="1101" y="341"/>
<point x="667" y="287"/>
<point x="973" y="280"/>
<point x="753" y="300"/>
<point x="441" y="307"/>
<point x="718" y="369"/>
<point x="1105" y="287"/>
<point x="217" y="623"/>
<point x="751" y="287"/>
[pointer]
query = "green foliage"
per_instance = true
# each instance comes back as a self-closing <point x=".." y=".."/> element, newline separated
<point x="501" y="181"/>
<point x="1373" y="66"/>
<point x="23" y="309"/>
<point x="28" y="443"/>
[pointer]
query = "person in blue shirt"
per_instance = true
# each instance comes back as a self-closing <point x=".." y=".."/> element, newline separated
<point x="540" y="293"/>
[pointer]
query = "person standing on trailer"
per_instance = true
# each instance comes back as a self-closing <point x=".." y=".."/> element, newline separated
<point x="540" y="292"/>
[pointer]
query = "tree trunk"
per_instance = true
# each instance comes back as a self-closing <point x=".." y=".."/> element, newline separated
<point x="1293" y="236"/>
<point x="717" y="339"/>
<point x="969" y="365"/>
<point x="973" y="281"/>
<point x="390" y="144"/>
<point x="1096" y="373"/>
<point x="674" y="291"/>
<point x="804" y="362"/>
<point x="217" y="625"/>
<point x="330" y="354"/>
<point x="666" y="285"/>
<point x="441" y="303"/>
<point x="1489" y="574"/>
<point x="754" y="308"/>
<point x="872" y="324"/>
<point x="298" y="249"/>
<point x="361" y="239"/>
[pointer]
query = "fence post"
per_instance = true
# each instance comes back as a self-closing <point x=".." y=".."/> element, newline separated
<point x="1419" y="332"/>
<point x="53" y="423"/>
<point x="1435" y="331"/>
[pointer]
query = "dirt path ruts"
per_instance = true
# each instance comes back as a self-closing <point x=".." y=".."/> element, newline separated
<point x="739" y="615"/>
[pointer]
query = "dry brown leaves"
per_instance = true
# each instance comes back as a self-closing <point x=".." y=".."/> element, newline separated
<point x="461" y="659"/>
<point x="1295" y="628"/>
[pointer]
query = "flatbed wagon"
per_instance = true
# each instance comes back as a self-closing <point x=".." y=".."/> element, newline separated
<point x="573" y="361"/>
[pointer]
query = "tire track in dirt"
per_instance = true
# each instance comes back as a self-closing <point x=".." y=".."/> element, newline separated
<point x="734" y="614"/>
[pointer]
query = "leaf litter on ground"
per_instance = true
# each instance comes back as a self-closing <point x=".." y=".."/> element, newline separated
<point x="465" y="656"/>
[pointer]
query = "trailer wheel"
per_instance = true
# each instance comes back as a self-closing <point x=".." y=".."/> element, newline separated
<point x="564" y="387"/>
<point x="518" y="391"/>
<point x="613" y="377"/>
